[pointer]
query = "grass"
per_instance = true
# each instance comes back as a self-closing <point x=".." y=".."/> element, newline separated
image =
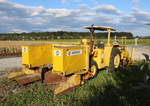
<point x="121" y="88"/>
<point x="128" y="41"/>
<point x="21" y="43"/>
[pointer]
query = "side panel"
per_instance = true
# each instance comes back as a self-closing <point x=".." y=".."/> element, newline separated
<point x="107" y="53"/>
<point x="71" y="59"/>
<point x="99" y="58"/>
<point x="58" y="60"/>
<point x="74" y="60"/>
<point x="37" y="55"/>
<point x="25" y="55"/>
<point x="102" y="56"/>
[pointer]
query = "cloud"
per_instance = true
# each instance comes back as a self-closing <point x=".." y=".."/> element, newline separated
<point x="135" y="3"/>
<point x="65" y="2"/>
<point x="140" y="15"/>
<point x="3" y="0"/>
<point x="25" y="18"/>
<point x="68" y="2"/>
<point x="19" y="18"/>
<point x="109" y="9"/>
<point x="94" y="1"/>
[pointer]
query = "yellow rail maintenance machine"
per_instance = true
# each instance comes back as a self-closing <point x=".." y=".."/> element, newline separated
<point x="68" y="65"/>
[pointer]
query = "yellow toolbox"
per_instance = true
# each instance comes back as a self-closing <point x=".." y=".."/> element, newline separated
<point x="70" y="59"/>
<point x="37" y="55"/>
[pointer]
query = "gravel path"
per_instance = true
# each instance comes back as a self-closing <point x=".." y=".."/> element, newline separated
<point x="138" y="50"/>
<point x="8" y="63"/>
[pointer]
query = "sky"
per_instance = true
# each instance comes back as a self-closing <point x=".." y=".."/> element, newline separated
<point x="71" y="15"/>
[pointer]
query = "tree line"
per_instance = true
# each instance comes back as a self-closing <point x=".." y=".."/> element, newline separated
<point x="60" y="35"/>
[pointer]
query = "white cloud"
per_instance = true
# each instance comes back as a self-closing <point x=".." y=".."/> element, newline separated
<point x="3" y="0"/>
<point x="60" y="12"/>
<point x="109" y="9"/>
<point x="94" y="1"/>
<point x="65" y="2"/>
<point x="141" y="15"/>
<point x="19" y="18"/>
<point x="127" y="19"/>
<point x="136" y="1"/>
<point x="68" y="2"/>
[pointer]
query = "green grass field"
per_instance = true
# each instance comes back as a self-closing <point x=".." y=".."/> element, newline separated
<point x="127" y="42"/>
<point x="125" y="87"/>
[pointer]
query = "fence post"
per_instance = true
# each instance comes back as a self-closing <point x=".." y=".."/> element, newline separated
<point x="136" y="41"/>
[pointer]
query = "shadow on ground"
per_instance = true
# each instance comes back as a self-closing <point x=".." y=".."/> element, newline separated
<point x="129" y="89"/>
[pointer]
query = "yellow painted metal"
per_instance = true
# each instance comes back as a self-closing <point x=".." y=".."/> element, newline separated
<point x="24" y="71"/>
<point x="93" y="70"/>
<point x="101" y="28"/>
<point x="86" y="47"/>
<point x="37" y="55"/>
<point x="71" y="82"/>
<point x="102" y="56"/>
<point x="15" y="74"/>
<point x="98" y="57"/>
<point x="116" y="61"/>
<point x="108" y="40"/>
<point x="85" y="41"/>
<point x="70" y="59"/>
<point x="107" y="54"/>
<point x="124" y="53"/>
<point x="29" y="71"/>
<point x="132" y="55"/>
<point x="125" y="56"/>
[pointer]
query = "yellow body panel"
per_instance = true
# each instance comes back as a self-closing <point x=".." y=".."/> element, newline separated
<point x="70" y="59"/>
<point x="72" y="81"/>
<point x="102" y="56"/>
<point x="99" y="57"/>
<point x="37" y="55"/>
<point x="107" y="54"/>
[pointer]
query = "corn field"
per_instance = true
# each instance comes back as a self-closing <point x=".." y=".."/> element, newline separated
<point x="10" y="51"/>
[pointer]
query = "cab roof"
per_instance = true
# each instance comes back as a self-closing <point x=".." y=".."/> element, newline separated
<point x="101" y="28"/>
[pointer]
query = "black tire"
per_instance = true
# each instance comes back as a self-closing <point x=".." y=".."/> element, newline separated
<point x="93" y="63"/>
<point x="114" y="52"/>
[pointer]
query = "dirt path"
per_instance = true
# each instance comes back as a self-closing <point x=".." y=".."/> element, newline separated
<point x="138" y="50"/>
